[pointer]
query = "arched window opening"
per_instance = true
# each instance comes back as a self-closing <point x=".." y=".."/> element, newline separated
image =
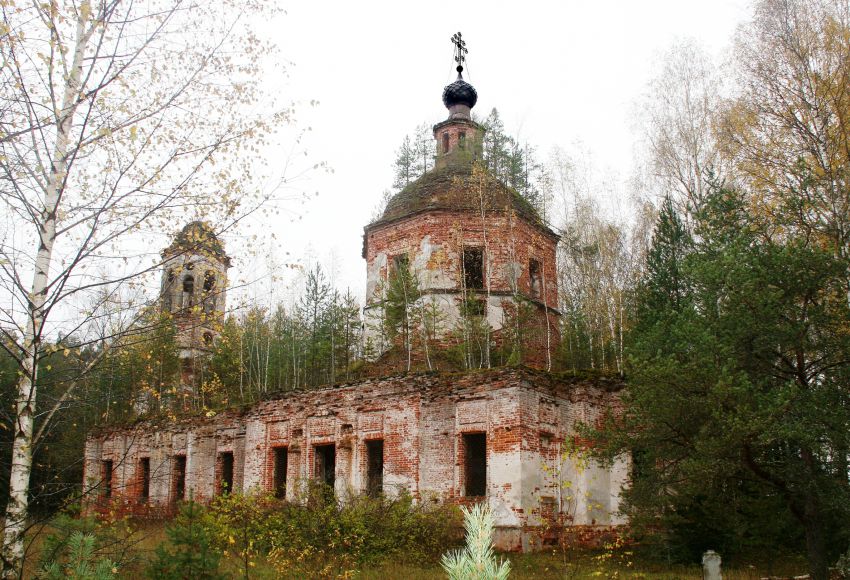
<point x="188" y="292"/>
<point x="208" y="338"/>
<point x="209" y="281"/>
<point x="445" y="142"/>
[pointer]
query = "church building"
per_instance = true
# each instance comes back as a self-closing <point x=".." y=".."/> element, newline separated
<point x="505" y="436"/>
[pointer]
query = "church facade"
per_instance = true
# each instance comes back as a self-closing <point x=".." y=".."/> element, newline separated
<point x="506" y="436"/>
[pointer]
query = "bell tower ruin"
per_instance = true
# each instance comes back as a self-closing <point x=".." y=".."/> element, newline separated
<point x="194" y="281"/>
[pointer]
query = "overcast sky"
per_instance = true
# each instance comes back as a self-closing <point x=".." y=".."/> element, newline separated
<point x="558" y="72"/>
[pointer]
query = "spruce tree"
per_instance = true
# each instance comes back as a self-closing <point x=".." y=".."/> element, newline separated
<point x="737" y="407"/>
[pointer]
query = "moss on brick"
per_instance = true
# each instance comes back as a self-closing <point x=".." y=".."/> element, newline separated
<point x="451" y="188"/>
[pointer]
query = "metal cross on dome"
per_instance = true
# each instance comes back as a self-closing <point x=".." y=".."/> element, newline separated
<point x="460" y="49"/>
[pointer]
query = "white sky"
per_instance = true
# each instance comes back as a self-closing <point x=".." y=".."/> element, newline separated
<point x="558" y="72"/>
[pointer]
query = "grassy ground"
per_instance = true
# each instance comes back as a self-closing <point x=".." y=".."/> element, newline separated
<point x="543" y="565"/>
<point x="586" y="566"/>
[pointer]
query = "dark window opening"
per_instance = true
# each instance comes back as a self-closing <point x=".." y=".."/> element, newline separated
<point x="401" y="264"/>
<point x="187" y="366"/>
<point x="461" y="140"/>
<point x="188" y="292"/>
<point x="473" y="268"/>
<point x="445" y="142"/>
<point x="281" y="463"/>
<point x="641" y="463"/>
<point x="208" y="338"/>
<point x="475" y="464"/>
<point x="375" y="467"/>
<point x="179" y="477"/>
<point x="534" y="276"/>
<point x="325" y="467"/>
<point x="170" y="276"/>
<point x="225" y="482"/>
<point x="209" y="281"/>
<point x="106" y="477"/>
<point x="144" y="478"/>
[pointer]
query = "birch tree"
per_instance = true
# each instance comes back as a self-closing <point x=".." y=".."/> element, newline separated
<point x="677" y="119"/>
<point x="787" y="131"/>
<point x="119" y="120"/>
<point x="598" y="262"/>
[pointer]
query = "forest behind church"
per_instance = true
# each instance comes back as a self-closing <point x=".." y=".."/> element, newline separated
<point x="721" y="294"/>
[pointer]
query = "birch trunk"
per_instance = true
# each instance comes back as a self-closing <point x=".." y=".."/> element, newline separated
<point x="25" y="404"/>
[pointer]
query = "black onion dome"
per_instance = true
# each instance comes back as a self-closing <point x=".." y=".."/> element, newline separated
<point x="459" y="92"/>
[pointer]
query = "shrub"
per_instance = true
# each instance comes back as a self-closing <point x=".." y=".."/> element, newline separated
<point x="319" y="536"/>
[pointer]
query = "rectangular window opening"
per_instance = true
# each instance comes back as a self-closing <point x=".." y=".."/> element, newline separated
<point x="225" y="462"/>
<point x="106" y="477"/>
<point x="475" y="464"/>
<point x="461" y="140"/>
<point x="325" y="465"/>
<point x="445" y="143"/>
<point x="144" y="478"/>
<point x="375" y="467"/>
<point x="473" y="268"/>
<point x="534" y="277"/>
<point x="281" y="463"/>
<point x="179" y="478"/>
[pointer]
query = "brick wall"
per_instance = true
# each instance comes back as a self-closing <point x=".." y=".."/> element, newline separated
<point x="433" y="242"/>
<point x="421" y="419"/>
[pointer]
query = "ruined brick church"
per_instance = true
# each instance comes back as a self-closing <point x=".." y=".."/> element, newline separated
<point x="497" y="435"/>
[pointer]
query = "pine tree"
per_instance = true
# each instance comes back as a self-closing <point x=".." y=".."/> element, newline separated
<point x="425" y="150"/>
<point x="737" y="399"/>
<point x="405" y="164"/>
<point x="402" y="319"/>
<point x="313" y="309"/>
<point x="189" y="554"/>
<point x="477" y="560"/>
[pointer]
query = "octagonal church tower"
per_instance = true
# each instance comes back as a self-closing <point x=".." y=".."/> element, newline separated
<point x="194" y="281"/>
<point x="480" y="253"/>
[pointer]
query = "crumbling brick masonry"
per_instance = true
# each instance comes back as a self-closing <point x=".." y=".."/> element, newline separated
<point x="492" y="436"/>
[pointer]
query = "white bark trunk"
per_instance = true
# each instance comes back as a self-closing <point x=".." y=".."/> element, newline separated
<point x="21" y="465"/>
<point x="546" y="313"/>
